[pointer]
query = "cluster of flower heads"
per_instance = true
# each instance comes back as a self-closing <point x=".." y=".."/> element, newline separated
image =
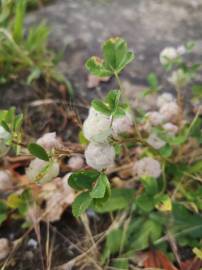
<point x="98" y="128"/>
<point x="171" y="55"/>
<point x="40" y="170"/>
<point x="165" y="117"/>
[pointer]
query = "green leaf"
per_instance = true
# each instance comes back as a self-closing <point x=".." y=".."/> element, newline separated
<point x="18" y="30"/>
<point x="82" y="138"/>
<point x="95" y="66"/>
<point x="5" y="126"/>
<point x="185" y="222"/>
<point x="113" y="98"/>
<point x="38" y="151"/>
<point x="18" y="122"/>
<point x="153" y="81"/>
<point x="166" y="151"/>
<point x="116" y="54"/>
<point x="150" y="185"/>
<point x="101" y="107"/>
<point x="83" y="179"/>
<point x="120" y="263"/>
<point x="195" y="168"/>
<point x="34" y="75"/>
<point x="81" y="203"/>
<point x="119" y="199"/>
<point x="113" y="243"/>
<point x="197" y="90"/>
<point x="3" y="211"/>
<point x="148" y="232"/>
<point x="100" y="187"/>
<point x="145" y="202"/>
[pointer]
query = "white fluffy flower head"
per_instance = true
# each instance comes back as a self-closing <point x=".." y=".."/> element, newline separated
<point x="155" y="141"/>
<point x="181" y="50"/>
<point x="100" y="156"/>
<point x="147" y="167"/>
<point x="122" y="124"/>
<point x="4" y="137"/>
<point x="164" y="99"/>
<point x="170" y="111"/>
<point x="170" y="128"/>
<point x="168" y="55"/>
<point x="97" y="126"/>
<point x="179" y="78"/>
<point x="48" y="141"/>
<point x="155" y="118"/>
<point x="42" y="171"/>
<point x="76" y="162"/>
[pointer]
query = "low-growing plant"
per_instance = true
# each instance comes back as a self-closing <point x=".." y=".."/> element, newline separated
<point x="161" y="197"/>
<point x="24" y="52"/>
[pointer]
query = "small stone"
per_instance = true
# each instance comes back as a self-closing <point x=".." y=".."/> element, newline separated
<point x="32" y="243"/>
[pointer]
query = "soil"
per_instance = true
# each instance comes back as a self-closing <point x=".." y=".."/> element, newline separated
<point x="78" y="27"/>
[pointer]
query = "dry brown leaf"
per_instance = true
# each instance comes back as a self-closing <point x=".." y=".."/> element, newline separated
<point x="94" y="81"/>
<point x="158" y="259"/>
<point x="192" y="264"/>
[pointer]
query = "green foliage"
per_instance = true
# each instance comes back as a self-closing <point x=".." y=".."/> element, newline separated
<point x="115" y="57"/>
<point x="83" y="179"/>
<point x="148" y="232"/>
<point x="186" y="223"/>
<point x="3" y="211"/>
<point x="12" y="123"/>
<point x="113" y="243"/>
<point x="81" y="203"/>
<point x="20" y="203"/>
<point x="24" y="56"/>
<point x="197" y="90"/>
<point x="97" y="185"/>
<point x="38" y="151"/>
<point x="101" y="187"/>
<point x="111" y="106"/>
<point x="119" y="199"/>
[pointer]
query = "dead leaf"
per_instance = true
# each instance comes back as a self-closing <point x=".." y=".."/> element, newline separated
<point x="158" y="259"/>
<point x="192" y="264"/>
<point x="94" y="81"/>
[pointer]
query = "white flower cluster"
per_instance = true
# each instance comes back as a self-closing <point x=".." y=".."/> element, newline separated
<point x="48" y="141"/>
<point x="179" y="78"/>
<point x="42" y="171"/>
<point x="100" y="156"/>
<point x="167" y="113"/>
<point x="122" y="124"/>
<point x="170" y="54"/>
<point x="4" y="137"/>
<point x="76" y="162"/>
<point x="147" y="167"/>
<point x="97" y="128"/>
<point x="57" y="195"/>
